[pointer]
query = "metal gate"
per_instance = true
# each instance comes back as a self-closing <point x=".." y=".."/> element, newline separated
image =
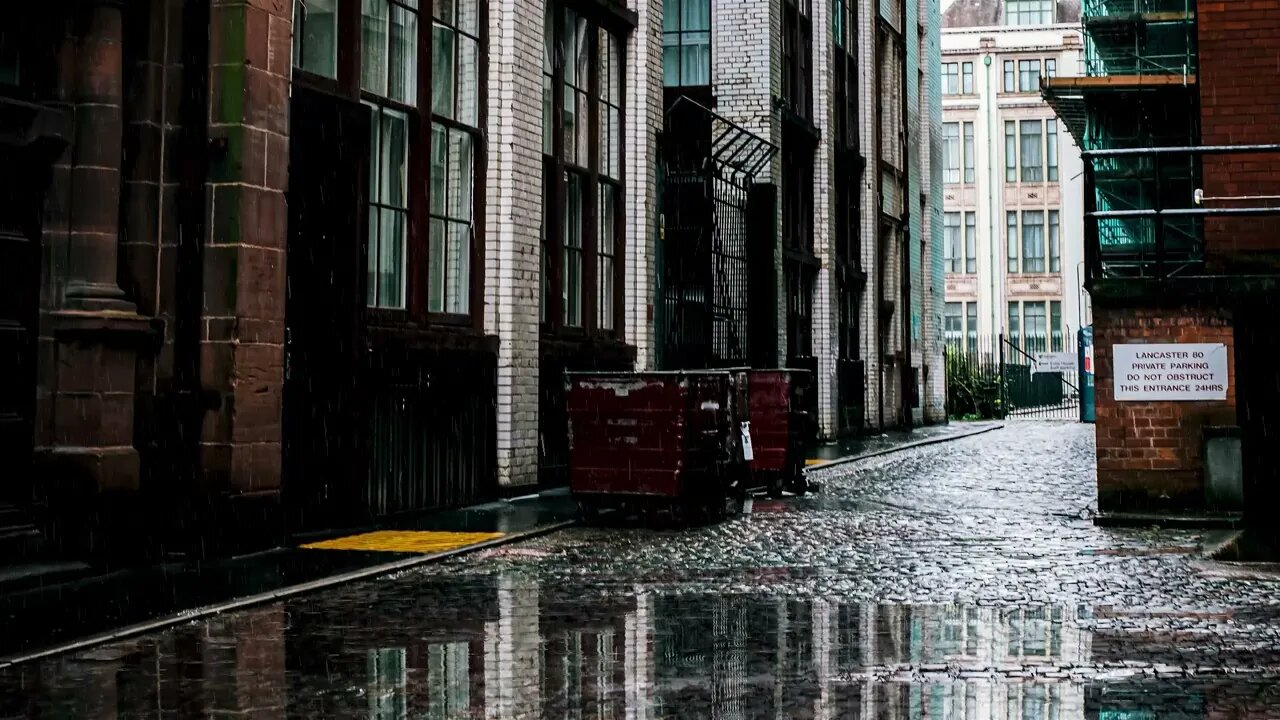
<point x="1030" y="392"/>
<point x="710" y="166"/>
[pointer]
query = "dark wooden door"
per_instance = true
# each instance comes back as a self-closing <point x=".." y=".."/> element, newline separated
<point x="30" y="138"/>
<point x="326" y="465"/>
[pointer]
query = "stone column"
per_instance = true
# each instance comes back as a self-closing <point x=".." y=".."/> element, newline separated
<point x="92" y="334"/>
<point x="242" y="334"/>
<point x="95" y="173"/>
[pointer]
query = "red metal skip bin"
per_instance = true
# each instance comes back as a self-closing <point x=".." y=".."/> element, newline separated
<point x="687" y="441"/>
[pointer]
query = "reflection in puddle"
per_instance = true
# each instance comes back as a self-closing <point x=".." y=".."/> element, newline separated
<point x="500" y="647"/>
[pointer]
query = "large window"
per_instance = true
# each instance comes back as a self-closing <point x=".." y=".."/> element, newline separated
<point x="1033" y="322"/>
<point x="797" y="56"/>
<point x="1029" y="139"/>
<point x="950" y="78"/>
<point x="1010" y="77"/>
<point x="951" y="237"/>
<point x="1029" y="12"/>
<point x="583" y="115"/>
<point x="951" y="152"/>
<point x="455" y="133"/>
<point x="1032" y="241"/>
<point x="1028" y="76"/>
<point x="686" y="43"/>
<point x="389" y="75"/>
<point x="424" y="139"/>
<point x="966" y="77"/>
<point x="952" y="329"/>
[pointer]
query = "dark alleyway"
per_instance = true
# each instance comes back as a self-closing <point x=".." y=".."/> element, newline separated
<point x="960" y="580"/>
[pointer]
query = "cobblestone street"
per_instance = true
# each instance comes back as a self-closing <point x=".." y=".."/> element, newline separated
<point x="959" y="580"/>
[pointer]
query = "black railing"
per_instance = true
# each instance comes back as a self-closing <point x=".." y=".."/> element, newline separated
<point x="1166" y="237"/>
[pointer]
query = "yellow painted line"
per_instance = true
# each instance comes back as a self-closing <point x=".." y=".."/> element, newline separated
<point x="812" y="461"/>
<point x="423" y="542"/>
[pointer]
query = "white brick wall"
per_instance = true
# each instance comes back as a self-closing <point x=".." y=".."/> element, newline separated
<point x="514" y="211"/>
<point x="643" y="123"/>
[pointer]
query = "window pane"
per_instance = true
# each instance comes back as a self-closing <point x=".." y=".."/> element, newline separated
<point x="1051" y="147"/>
<point x="373" y="46"/>
<point x="445" y="11"/>
<point x="442" y="59"/>
<point x="572" y="290"/>
<point x="696" y="15"/>
<point x="458" y="256"/>
<point x="394" y="159"/>
<point x="1055" y="325"/>
<point x="1011" y="240"/>
<point x="468" y="90"/>
<point x="671" y="60"/>
<point x="1033" y="317"/>
<point x="391" y="244"/>
<point x="970" y="243"/>
<point x="469" y="16"/>
<point x="968" y="79"/>
<point x="315" y="39"/>
<point x="403" y="82"/>
<point x="371" y="264"/>
<point x="1014" y="336"/>
<point x="571" y="125"/>
<point x="951" y="245"/>
<point x="375" y="142"/>
<point x="437" y="266"/>
<point x="1008" y="76"/>
<point x="1010" y="152"/>
<point x="1055" y="257"/>
<point x="607" y="249"/>
<point x="439" y="169"/>
<point x="671" y="15"/>
<point x="461" y="159"/>
<point x="695" y="67"/>
<point x="968" y="153"/>
<point x="548" y="122"/>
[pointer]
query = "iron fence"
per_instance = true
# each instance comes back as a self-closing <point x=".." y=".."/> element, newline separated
<point x="1002" y="377"/>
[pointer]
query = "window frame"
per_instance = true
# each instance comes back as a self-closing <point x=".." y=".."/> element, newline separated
<point x="1024" y="13"/>
<point x="950" y="78"/>
<point x="1053" y="222"/>
<point x="951" y="172"/>
<point x="557" y="167"/>
<point x="951" y="241"/>
<point x="346" y="82"/>
<point x="679" y="33"/>
<point x="1029" y="75"/>
<point x="1012" y="241"/>
<point x="953" y="323"/>
<point x="1033" y="263"/>
<point x="1010" y="77"/>
<point x="797" y="57"/>
<point x="1010" y="151"/>
<point x="971" y="326"/>
<point x="966" y="77"/>
<point x="1030" y="173"/>
<point x="1051" y="149"/>
<point x="1056" y="334"/>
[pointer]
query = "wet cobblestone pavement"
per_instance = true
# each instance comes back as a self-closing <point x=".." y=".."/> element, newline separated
<point x="962" y="581"/>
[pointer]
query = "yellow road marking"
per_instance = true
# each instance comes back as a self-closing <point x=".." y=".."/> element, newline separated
<point x="405" y="541"/>
<point x="813" y="461"/>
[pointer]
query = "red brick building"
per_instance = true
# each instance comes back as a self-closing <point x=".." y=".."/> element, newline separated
<point x="1180" y="120"/>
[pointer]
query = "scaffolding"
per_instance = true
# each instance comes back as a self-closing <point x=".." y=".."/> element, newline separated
<point x="1138" y="91"/>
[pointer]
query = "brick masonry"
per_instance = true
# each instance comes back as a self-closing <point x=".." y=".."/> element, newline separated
<point x="1149" y="453"/>
<point x="1240" y="104"/>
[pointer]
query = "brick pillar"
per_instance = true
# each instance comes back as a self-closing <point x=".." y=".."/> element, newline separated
<point x="242" y="333"/>
<point x="515" y="203"/>
<point x="91" y="334"/>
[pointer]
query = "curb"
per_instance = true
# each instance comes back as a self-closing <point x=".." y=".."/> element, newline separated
<point x="906" y="446"/>
<point x="1169" y="522"/>
<point x="272" y="595"/>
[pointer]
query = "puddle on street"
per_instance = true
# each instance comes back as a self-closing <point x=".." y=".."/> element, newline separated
<point x="499" y="646"/>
